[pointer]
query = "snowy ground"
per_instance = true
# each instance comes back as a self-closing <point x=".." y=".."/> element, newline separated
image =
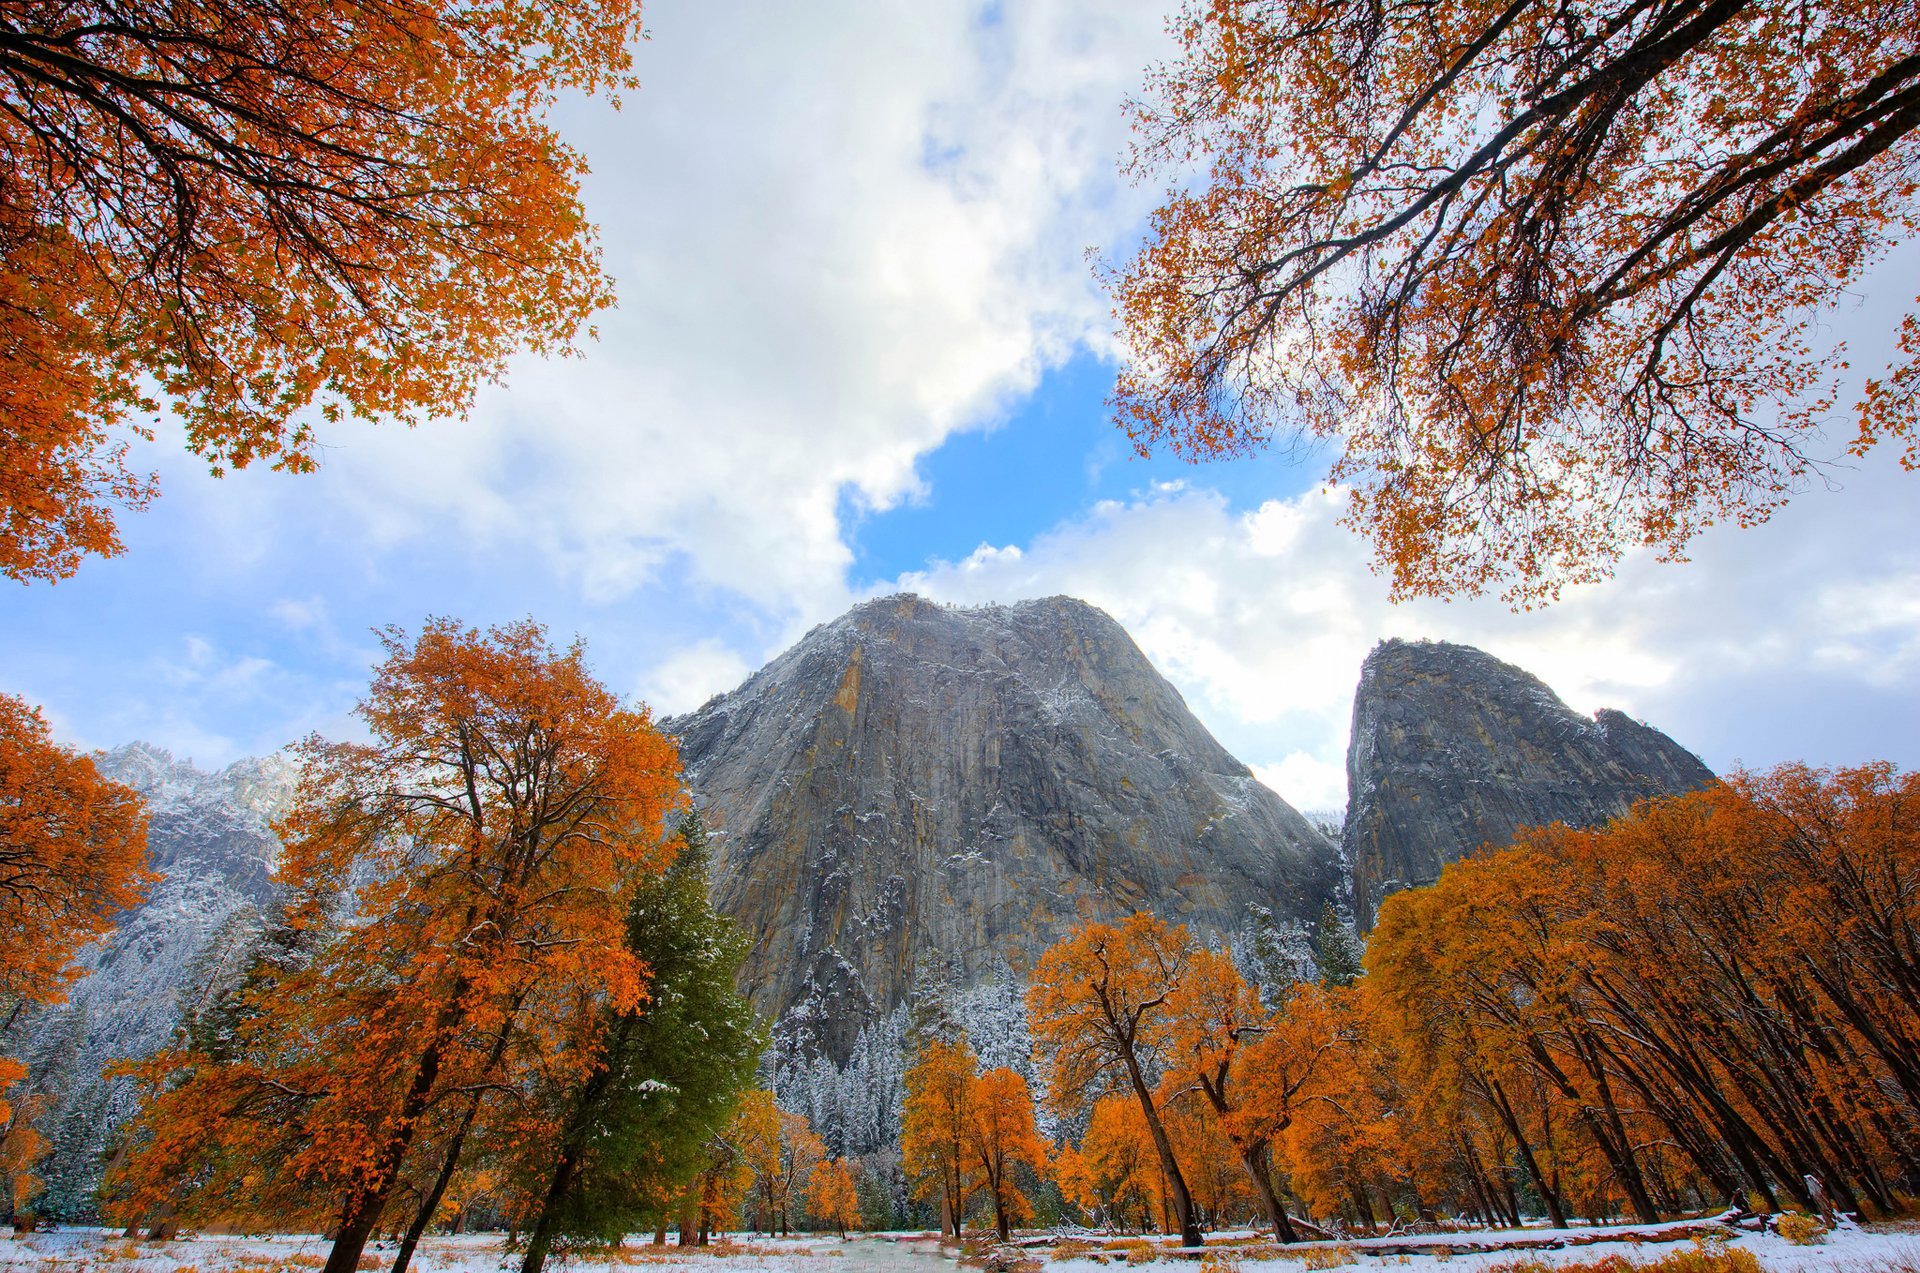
<point x="1890" y="1249"/>
<point x="1851" y="1249"/>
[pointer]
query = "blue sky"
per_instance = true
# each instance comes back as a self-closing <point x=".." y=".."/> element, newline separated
<point x="860" y="348"/>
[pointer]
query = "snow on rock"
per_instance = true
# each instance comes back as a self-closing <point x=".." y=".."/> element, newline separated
<point x="916" y="781"/>
<point x="210" y="838"/>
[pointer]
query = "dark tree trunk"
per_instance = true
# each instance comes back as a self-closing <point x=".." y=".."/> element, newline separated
<point x="363" y="1206"/>
<point x="1556" y="1214"/>
<point x="1169" y="1167"/>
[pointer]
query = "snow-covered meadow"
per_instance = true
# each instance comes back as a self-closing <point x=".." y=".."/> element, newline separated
<point x="1851" y="1249"/>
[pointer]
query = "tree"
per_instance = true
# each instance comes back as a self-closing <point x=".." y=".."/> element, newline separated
<point x="780" y="1149"/>
<point x="800" y="1152"/>
<point x="635" y="1132"/>
<point x="1336" y="949"/>
<point x="257" y="208"/>
<point x="1000" y="1134"/>
<point x="722" y="1186"/>
<point x="1098" y="1008"/>
<point x="1217" y="1017"/>
<point x="1119" y="1169"/>
<point x="1545" y="272"/>
<point x="73" y="850"/>
<point x="474" y="863"/>
<point x="934" y="1123"/>
<point x="754" y="1133"/>
<point x="831" y="1196"/>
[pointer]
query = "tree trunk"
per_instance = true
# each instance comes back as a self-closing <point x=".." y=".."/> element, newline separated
<point x="540" y="1237"/>
<point x="431" y="1203"/>
<point x="1169" y="1167"/>
<point x="1254" y="1157"/>
<point x="364" y="1205"/>
<point x="1556" y="1214"/>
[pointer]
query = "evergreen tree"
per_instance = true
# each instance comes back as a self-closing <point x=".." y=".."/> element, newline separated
<point x="933" y="1013"/>
<point x="636" y="1133"/>
<point x="1338" y="950"/>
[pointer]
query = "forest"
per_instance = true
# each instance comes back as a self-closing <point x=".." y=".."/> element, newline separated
<point x="1543" y="282"/>
<point x="497" y="995"/>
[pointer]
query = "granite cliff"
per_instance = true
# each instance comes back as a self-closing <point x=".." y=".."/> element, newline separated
<point x="914" y="782"/>
<point x="210" y="837"/>
<point x="1452" y="749"/>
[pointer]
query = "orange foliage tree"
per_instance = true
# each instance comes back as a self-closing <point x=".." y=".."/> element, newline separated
<point x="1000" y="1133"/>
<point x="781" y="1150"/>
<point x="934" y="1124"/>
<point x="1547" y="273"/>
<point x="754" y="1132"/>
<point x="1713" y="995"/>
<point x="1119" y="1177"/>
<point x="1209" y="1160"/>
<point x="73" y="851"/>
<point x="1216" y="1017"/>
<point x="831" y="1196"/>
<point x="259" y="208"/>
<point x="1098" y="1012"/>
<point x="471" y="868"/>
<point x="713" y="1201"/>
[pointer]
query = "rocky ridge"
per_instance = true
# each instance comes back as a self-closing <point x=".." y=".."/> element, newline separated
<point x="1452" y="748"/>
<point x="209" y="835"/>
<point x="914" y="782"/>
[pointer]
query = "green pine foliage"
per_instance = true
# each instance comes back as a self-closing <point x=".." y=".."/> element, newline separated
<point x="1338" y="950"/>
<point x="638" y="1129"/>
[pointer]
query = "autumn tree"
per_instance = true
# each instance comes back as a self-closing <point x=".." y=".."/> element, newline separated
<point x="781" y="1149"/>
<point x="1248" y="1064"/>
<point x="1211" y="1163"/>
<point x="754" y="1133"/>
<point x="1098" y="1011"/>
<point x="475" y="862"/>
<point x="22" y="1147"/>
<point x="1545" y="273"/>
<point x="1710" y="996"/>
<point x="1119" y="1169"/>
<point x="832" y="1198"/>
<point x="73" y="849"/>
<point x="934" y="1124"/>
<point x="1000" y="1136"/>
<point x="275" y="216"/>
<point x="725" y="1179"/>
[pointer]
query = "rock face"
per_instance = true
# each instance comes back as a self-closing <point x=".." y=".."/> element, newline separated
<point x="1452" y="749"/>
<point x="912" y="781"/>
<point x="209" y="835"/>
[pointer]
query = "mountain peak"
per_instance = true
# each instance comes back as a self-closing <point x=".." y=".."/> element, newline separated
<point x="916" y="780"/>
<point x="1453" y="748"/>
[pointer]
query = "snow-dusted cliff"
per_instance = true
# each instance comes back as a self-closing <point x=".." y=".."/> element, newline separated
<point x="914" y="781"/>
<point x="210" y="837"/>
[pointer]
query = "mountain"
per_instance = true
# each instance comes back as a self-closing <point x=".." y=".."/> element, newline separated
<point x="209" y="834"/>
<point x="914" y="783"/>
<point x="1452" y="749"/>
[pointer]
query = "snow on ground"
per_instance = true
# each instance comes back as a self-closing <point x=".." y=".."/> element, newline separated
<point x="104" y="1251"/>
<point x="1883" y="1249"/>
<point x="1850" y="1249"/>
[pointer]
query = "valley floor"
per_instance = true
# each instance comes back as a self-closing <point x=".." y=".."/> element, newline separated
<point x="1882" y="1249"/>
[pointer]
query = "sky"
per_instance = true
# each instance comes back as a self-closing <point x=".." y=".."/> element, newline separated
<point x="860" y="348"/>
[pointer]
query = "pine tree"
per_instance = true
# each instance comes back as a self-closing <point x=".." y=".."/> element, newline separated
<point x="1338" y="949"/>
<point x="636" y="1132"/>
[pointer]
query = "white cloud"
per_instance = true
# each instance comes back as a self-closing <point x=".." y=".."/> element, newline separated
<point x="839" y="236"/>
<point x="1263" y="618"/>
<point x="690" y="676"/>
<point x="1308" y="783"/>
